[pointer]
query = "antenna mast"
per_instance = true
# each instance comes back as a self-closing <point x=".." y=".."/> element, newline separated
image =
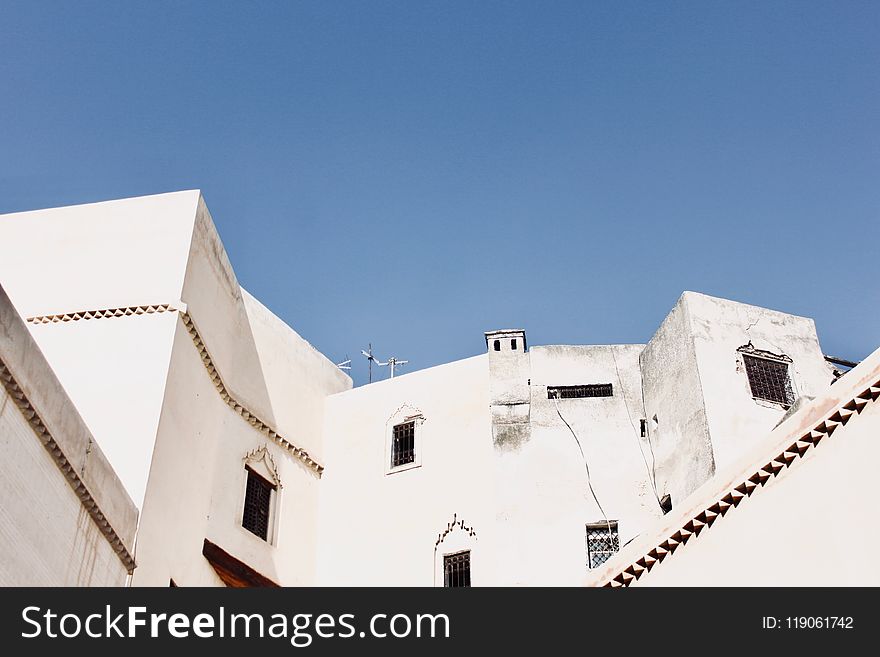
<point x="370" y="359"/>
<point x="393" y="362"/>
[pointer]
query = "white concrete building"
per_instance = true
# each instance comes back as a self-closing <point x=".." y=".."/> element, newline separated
<point x="252" y="461"/>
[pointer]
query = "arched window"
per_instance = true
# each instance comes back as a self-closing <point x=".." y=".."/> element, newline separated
<point x="262" y="486"/>
<point x="454" y="552"/>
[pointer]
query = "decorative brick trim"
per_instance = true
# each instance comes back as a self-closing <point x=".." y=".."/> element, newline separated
<point x="73" y="479"/>
<point x="737" y="494"/>
<point x="237" y="406"/>
<point x="104" y="313"/>
<point x="451" y="527"/>
<point x="222" y="390"/>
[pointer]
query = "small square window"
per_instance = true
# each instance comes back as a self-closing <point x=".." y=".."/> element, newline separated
<point x="602" y="542"/>
<point x="457" y="569"/>
<point x="403" y="444"/>
<point x="257" y="505"/>
<point x="769" y="379"/>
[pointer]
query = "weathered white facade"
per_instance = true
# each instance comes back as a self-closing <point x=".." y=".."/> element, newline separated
<point x="794" y="509"/>
<point x="196" y="392"/>
<point x="65" y="519"/>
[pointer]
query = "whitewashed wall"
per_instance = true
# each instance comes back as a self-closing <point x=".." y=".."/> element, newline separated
<point x="810" y="525"/>
<point x="497" y="470"/>
<point x="719" y="327"/>
<point x="48" y="537"/>
<point x="116" y="254"/>
<point x="197" y="478"/>
<point x="379" y="529"/>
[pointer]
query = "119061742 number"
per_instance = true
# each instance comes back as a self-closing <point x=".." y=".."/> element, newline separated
<point x="808" y="623"/>
<point x="819" y="622"/>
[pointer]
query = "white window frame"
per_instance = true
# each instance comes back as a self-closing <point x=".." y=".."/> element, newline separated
<point x="261" y="462"/>
<point x="402" y="416"/>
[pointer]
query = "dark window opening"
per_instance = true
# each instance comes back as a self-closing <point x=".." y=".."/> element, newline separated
<point x="769" y="380"/>
<point x="513" y="344"/>
<point x="457" y="569"/>
<point x="403" y="444"/>
<point x="580" y="392"/>
<point x="257" y="502"/>
<point x="497" y="345"/>
<point x="644" y="427"/>
<point x="602" y="542"/>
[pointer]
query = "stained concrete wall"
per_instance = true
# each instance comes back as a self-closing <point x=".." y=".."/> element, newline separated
<point x="811" y="525"/>
<point x="678" y="430"/>
<point x="544" y="501"/>
<point x="528" y="503"/>
<point x="718" y="328"/>
<point x="695" y="384"/>
<point x="509" y="395"/>
<point x="47" y="536"/>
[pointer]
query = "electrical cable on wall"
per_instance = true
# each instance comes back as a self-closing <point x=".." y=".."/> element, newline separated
<point x="648" y="469"/>
<point x="586" y="466"/>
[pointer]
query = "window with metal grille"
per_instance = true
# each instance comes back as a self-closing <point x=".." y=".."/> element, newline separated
<point x="769" y="379"/>
<point x="403" y="444"/>
<point x="257" y="505"/>
<point x="579" y="392"/>
<point x="602" y="542"/>
<point x="457" y="569"/>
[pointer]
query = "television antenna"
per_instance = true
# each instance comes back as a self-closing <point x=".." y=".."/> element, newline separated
<point x="344" y="365"/>
<point x="393" y="362"/>
<point x="371" y="358"/>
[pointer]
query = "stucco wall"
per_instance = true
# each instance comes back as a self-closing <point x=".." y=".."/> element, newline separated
<point x="115" y="254"/>
<point x="718" y="328"/>
<point x="674" y="406"/>
<point x="144" y="391"/>
<point x="543" y="499"/>
<point x="498" y="471"/>
<point x="115" y="371"/>
<point x="197" y="478"/>
<point x="214" y="300"/>
<point x="528" y="503"/>
<point x="812" y="525"/>
<point x="99" y="255"/>
<point x="197" y="483"/>
<point x="48" y="534"/>
<point x="378" y="529"/>
<point x="298" y="377"/>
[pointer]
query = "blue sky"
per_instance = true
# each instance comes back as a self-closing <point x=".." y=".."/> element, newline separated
<point x="411" y="174"/>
